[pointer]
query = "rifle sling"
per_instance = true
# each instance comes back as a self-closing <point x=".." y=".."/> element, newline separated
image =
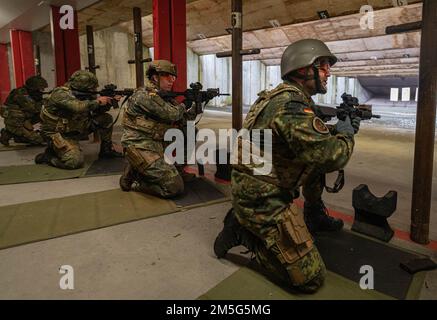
<point x="338" y="184"/>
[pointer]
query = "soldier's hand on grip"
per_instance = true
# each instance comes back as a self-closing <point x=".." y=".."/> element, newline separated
<point x="103" y="101"/>
<point x="356" y="124"/>
<point x="345" y="126"/>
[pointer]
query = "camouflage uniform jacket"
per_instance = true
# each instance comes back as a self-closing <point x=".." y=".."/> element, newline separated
<point x="147" y="117"/>
<point x="19" y="105"/>
<point x="302" y="146"/>
<point x="63" y="112"/>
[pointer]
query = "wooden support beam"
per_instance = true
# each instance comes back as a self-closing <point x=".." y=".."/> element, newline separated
<point x="406" y="27"/>
<point x="243" y="52"/>
<point x="425" y="126"/>
<point x="90" y="50"/>
<point x="237" y="64"/>
<point x="37" y="60"/>
<point x="138" y="34"/>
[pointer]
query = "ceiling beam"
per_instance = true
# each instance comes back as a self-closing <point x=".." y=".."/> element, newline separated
<point x="274" y="57"/>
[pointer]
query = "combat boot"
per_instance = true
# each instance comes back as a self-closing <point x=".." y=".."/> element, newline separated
<point x="127" y="178"/>
<point x="232" y="235"/>
<point x="108" y="152"/>
<point x="45" y="157"/>
<point x="317" y="218"/>
<point x="5" y="136"/>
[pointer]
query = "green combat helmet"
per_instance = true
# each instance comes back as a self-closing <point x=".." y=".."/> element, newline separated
<point x="158" y="66"/>
<point x="304" y="53"/>
<point x="83" y="81"/>
<point x="36" y="83"/>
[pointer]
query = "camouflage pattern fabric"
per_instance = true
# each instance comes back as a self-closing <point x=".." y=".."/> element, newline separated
<point x="303" y="150"/>
<point x="21" y="112"/>
<point x="65" y="120"/>
<point x="145" y="121"/>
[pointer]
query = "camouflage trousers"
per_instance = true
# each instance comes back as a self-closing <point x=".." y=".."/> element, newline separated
<point x="22" y="130"/>
<point x="154" y="175"/>
<point x="66" y="151"/>
<point x="285" y="247"/>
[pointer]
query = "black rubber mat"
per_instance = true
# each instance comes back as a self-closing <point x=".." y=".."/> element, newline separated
<point x="106" y="167"/>
<point x="198" y="191"/>
<point x="345" y="253"/>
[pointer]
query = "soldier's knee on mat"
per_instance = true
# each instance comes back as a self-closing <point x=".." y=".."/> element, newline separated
<point x="313" y="285"/>
<point x="74" y="163"/>
<point x="175" y="188"/>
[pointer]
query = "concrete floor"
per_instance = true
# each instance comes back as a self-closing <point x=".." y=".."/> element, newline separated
<point x="170" y="257"/>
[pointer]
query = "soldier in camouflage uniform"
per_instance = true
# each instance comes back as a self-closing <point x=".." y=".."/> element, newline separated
<point x="146" y="119"/>
<point x="264" y="218"/>
<point x="71" y="112"/>
<point x="21" y="112"/>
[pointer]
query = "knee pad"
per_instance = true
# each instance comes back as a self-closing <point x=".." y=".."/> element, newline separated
<point x="296" y="248"/>
<point x="140" y="159"/>
<point x="174" y="187"/>
<point x="74" y="163"/>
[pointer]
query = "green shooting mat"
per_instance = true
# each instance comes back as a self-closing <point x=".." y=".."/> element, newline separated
<point x="248" y="284"/>
<point x="41" y="220"/>
<point x="344" y="253"/>
<point x="36" y="173"/>
<point x="106" y="167"/>
<point x="42" y="172"/>
<point x="12" y="147"/>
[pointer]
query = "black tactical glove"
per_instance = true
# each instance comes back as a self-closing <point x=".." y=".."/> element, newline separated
<point x="345" y="126"/>
<point x="356" y="124"/>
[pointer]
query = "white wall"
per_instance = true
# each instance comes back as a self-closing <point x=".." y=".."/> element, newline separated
<point x="252" y="80"/>
<point x="216" y="73"/>
<point x="192" y="66"/>
<point x="44" y="40"/>
<point x="273" y="77"/>
<point x="113" y="48"/>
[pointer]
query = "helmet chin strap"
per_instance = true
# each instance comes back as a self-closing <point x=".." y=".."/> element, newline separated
<point x="317" y="79"/>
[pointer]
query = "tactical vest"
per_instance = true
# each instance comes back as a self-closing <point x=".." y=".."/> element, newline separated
<point x="11" y="110"/>
<point x="149" y="127"/>
<point x="286" y="171"/>
<point x="55" y="120"/>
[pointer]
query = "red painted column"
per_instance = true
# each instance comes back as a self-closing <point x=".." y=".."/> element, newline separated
<point x="179" y="42"/>
<point x="5" y="83"/>
<point x="170" y="36"/>
<point x="162" y="29"/>
<point x="22" y="56"/>
<point x="66" y="47"/>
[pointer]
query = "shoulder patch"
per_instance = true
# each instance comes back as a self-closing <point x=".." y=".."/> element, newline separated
<point x="320" y="126"/>
<point x="308" y="110"/>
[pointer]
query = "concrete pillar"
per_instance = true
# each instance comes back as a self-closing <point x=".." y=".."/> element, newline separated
<point x="22" y="56"/>
<point x="5" y="84"/>
<point x="66" y="47"/>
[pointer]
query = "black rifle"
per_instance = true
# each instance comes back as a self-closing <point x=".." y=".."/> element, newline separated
<point x="194" y="95"/>
<point x="110" y="90"/>
<point x="350" y="107"/>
